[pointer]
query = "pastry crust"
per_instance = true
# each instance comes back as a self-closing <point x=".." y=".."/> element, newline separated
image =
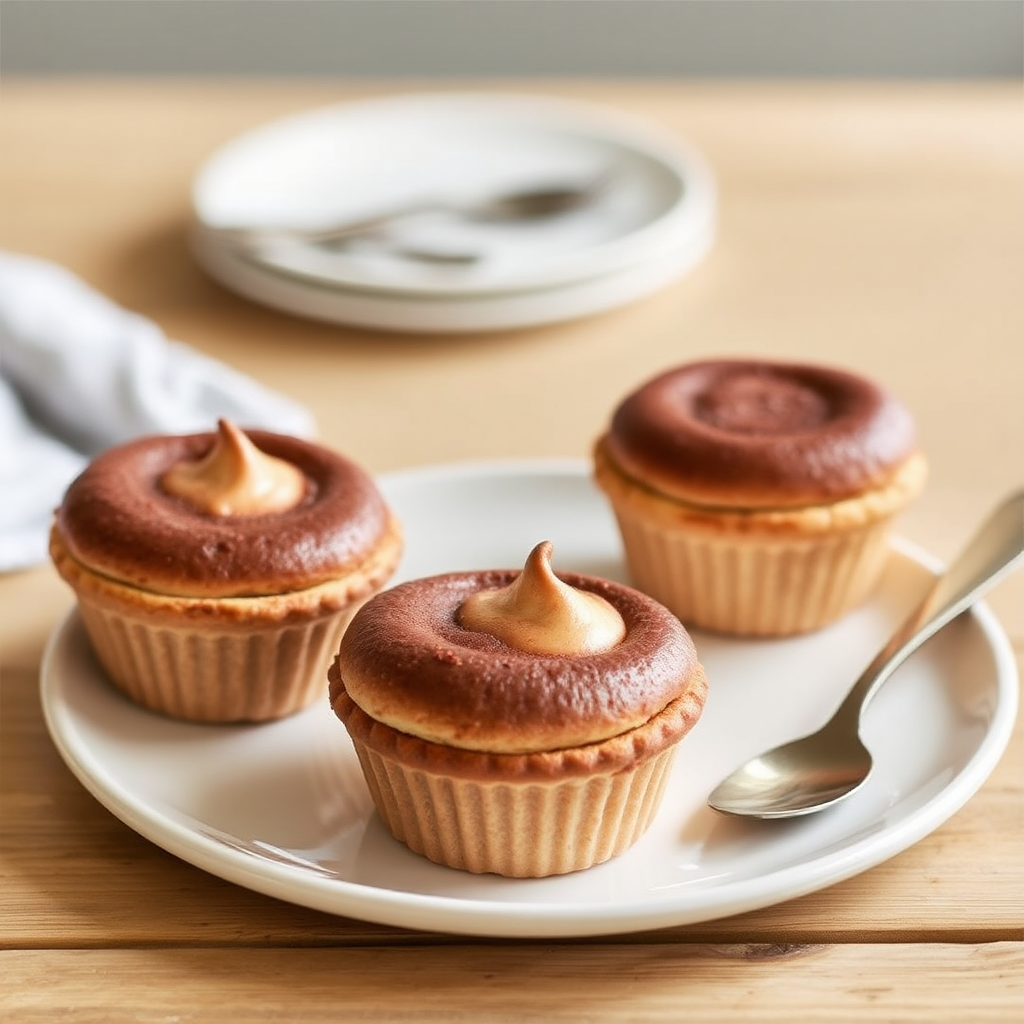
<point x="118" y="521"/>
<point x="174" y="611"/>
<point x="407" y="663"/>
<point x="617" y="754"/>
<point x="758" y="524"/>
<point x="728" y="434"/>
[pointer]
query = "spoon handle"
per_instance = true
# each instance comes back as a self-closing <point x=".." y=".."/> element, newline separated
<point x="991" y="554"/>
<point x="253" y="237"/>
<point x="529" y="203"/>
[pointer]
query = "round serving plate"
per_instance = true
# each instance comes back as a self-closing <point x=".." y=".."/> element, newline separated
<point x="282" y="808"/>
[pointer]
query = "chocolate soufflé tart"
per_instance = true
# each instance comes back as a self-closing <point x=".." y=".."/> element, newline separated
<point x="757" y="498"/>
<point x="519" y="723"/>
<point x="216" y="572"/>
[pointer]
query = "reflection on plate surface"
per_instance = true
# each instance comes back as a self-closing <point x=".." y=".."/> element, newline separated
<point x="282" y="809"/>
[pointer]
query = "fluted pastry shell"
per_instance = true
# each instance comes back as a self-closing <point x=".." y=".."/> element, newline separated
<point x="489" y="758"/>
<point x="520" y="815"/>
<point x="756" y="497"/>
<point x="226" y="613"/>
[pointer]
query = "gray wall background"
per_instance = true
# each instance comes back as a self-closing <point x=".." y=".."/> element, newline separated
<point x="481" y="38"/>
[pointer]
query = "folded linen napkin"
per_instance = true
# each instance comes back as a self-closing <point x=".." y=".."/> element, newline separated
<point x="78" y="374"/>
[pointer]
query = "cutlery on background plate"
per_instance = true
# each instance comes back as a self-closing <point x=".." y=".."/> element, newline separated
<point x="531" y="203"/>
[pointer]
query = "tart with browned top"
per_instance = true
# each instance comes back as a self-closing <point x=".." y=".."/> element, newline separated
<point x="757" y="497"/>
<point x="520" y="723"/>
<point x="215" y="572"/>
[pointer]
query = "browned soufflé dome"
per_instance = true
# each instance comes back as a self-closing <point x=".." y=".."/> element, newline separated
<point x="119" y="519"/>
<point x="408" y="661"/>
<point x="757" y="434"/>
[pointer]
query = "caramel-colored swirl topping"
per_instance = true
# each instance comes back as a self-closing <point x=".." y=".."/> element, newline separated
<point x="540" y="614"/>
<point x="758" y="403"/>
<point x="235" y="478"/>
<point x="757" y="434"/>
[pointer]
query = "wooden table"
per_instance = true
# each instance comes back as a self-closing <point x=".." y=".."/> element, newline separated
<point x="871" y="225"/>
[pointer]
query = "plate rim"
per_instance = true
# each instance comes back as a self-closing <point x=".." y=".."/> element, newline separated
<point x="306" y="297"/>
<point x="546" y="919"/>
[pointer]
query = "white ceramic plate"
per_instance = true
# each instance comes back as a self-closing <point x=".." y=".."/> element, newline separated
<point x="282" y="808"/>
<point x="654" y="219"/>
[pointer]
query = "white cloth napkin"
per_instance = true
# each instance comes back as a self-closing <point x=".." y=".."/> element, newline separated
<point x="78" y="374"/>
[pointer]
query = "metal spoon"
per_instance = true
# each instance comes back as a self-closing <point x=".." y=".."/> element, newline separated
<point x="818" y="770"/>
<point x="536" y="202"/>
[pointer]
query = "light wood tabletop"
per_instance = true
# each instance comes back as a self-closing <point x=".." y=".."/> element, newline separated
<point x="871" y="225"/>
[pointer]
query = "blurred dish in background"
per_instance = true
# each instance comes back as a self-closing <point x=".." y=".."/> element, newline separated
<point x="646" y="213"/>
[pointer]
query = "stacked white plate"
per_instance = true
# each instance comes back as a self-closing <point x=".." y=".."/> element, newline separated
<point x="652" y="219"/>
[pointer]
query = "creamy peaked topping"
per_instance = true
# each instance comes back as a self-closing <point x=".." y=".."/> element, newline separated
<point x="235" y="478"/>
<point x="540" y="614"/>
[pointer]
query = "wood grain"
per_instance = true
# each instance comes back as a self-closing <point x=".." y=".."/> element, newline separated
<point x="513" y="984"/>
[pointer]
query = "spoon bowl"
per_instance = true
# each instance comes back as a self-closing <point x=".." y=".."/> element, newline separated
<point x="818" y="770"/>
<point x="800" y="777"/>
